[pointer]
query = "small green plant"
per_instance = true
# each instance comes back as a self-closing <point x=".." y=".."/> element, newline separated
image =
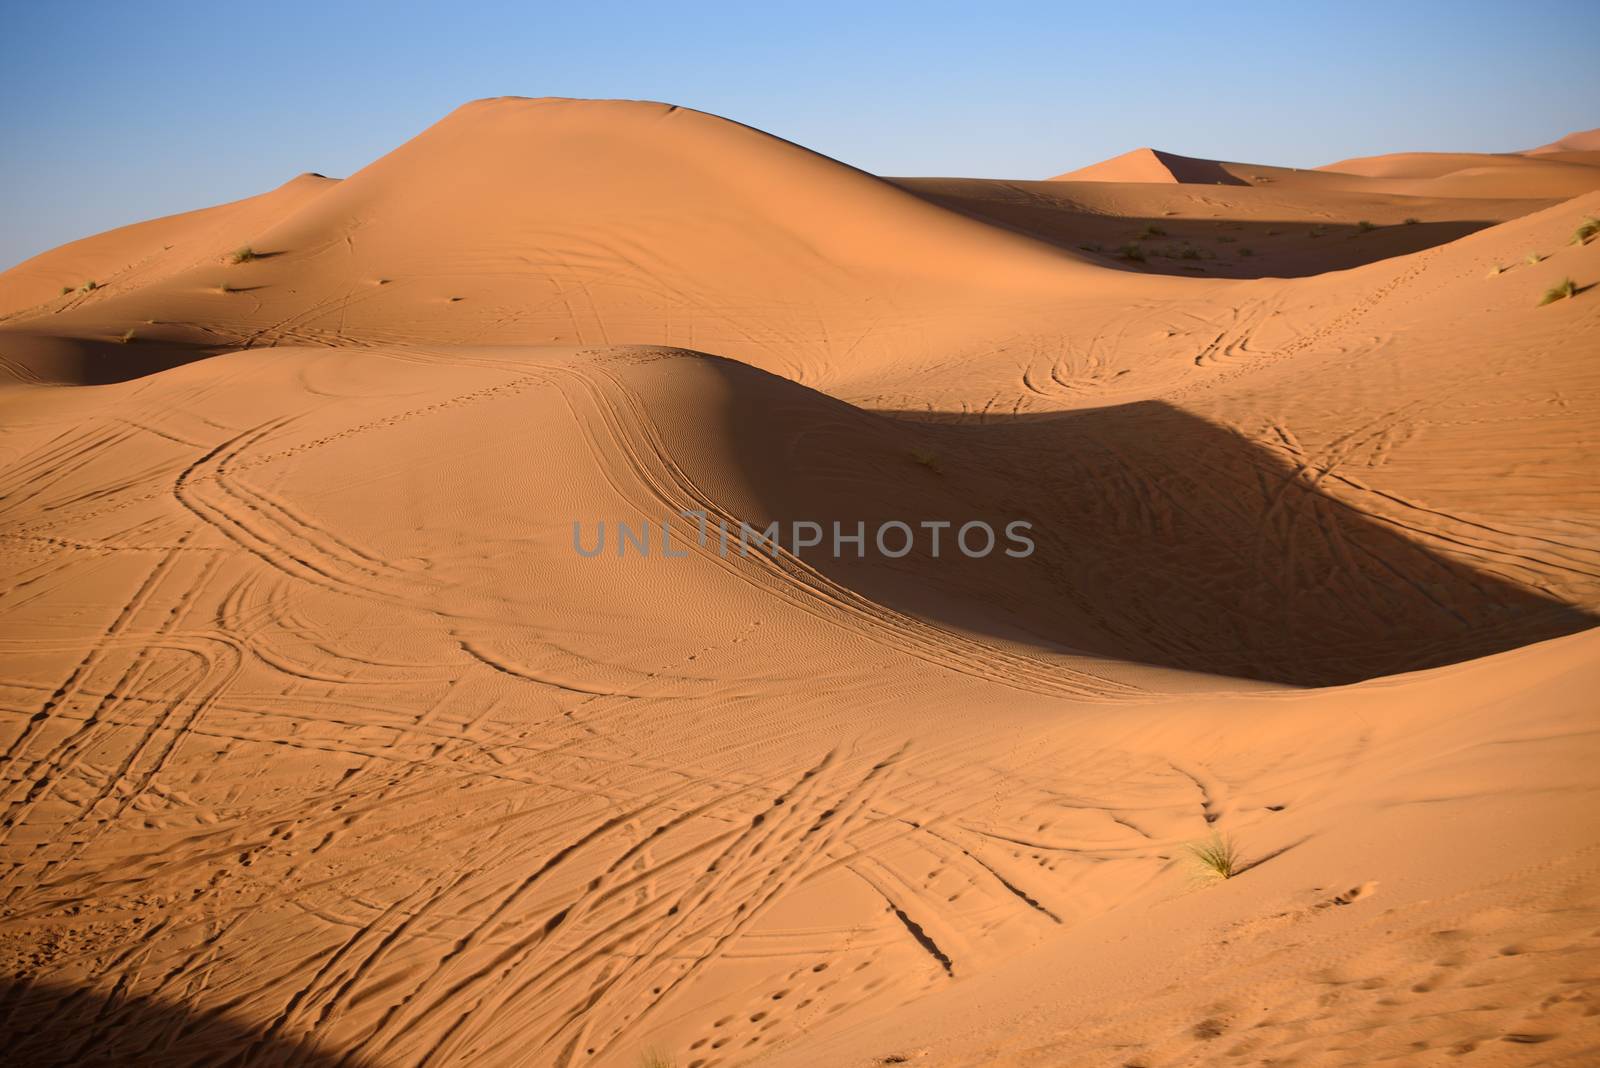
<point x="1533" y="258"/>
<point x="1565" y="289"/>
<point x="1217" y="856"/>
<point x="1246" y="252"/>
<point x="1364" y="226"/>
<point x="1132" y="252"/>
<point x="65" y="290"/>
<point x="90" y="286"/>
<point x="1587" y="229"/>
<point x="1412" y="220"/>
<point x="1151" y="231"/>
<point x="1189" y="253"/>
<point x="244" y="255"/>
<point x="226" y="288"/>
<point x="926" y="459"/>
<point x="1498" y="268"/>
<point x="129" y="337"/>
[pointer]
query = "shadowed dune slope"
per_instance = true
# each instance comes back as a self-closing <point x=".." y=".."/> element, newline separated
<point x="1240" y="231"/>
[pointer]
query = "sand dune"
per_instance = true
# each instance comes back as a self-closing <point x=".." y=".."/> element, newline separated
<point x="1580" y="141"/>
<point x="1149" y="165"/>
<point x="1558" y="171"/>
<point x="325" y="744"/>
<point x="150" y="252"/>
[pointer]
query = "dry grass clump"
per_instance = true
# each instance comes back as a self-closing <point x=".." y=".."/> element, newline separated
<point x="1218" y="856"/>
<point x="1565" y="289"/>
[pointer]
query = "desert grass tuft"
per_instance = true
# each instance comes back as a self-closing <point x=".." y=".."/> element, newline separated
<point x="128" y="337"/>
<point x="1246" y="252"/>
<point x="1132" y="252"/>
<point x="1587" y="229"/>
<point x="1364" y="226"/>
<point x="1497" y="269"/>
<point x="1151" y="231"/>
<point x="65" y="290"/>
<point x="243" y="255"/>
<point x="926" y="459"/>
<point x="1565" y="289"/>
<point x="90" y="286"/>
<point x="1217" y="856"/>
<point x="1412" y="220"/>
<point x="226" y="288"/>
<point x="1533" y="258"/>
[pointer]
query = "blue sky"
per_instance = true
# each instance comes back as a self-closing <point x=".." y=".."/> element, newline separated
<point x="113" y="112"/>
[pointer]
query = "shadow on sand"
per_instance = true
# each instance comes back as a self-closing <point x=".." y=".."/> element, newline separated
<point x="51" y="1025"/>
<point x="1161" y="538"/>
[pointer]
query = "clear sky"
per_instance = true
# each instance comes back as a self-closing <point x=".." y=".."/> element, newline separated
<point x="112" y="112"/>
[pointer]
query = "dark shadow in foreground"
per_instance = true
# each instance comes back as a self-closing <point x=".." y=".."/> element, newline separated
<point x="50" y="1025"/>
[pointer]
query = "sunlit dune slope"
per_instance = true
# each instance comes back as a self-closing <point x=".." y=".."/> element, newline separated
<point x="149" y="252"/>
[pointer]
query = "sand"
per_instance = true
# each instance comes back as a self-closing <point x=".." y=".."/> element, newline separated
<point x="323" y="745"/>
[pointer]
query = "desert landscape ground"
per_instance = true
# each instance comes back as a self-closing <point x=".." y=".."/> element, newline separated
<point x="323" y="746"/>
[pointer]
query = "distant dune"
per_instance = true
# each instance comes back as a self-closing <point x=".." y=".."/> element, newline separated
<point x="1148" y="165"/>
<point x="327" y="741"/>
<point x="1581" y="141"/>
